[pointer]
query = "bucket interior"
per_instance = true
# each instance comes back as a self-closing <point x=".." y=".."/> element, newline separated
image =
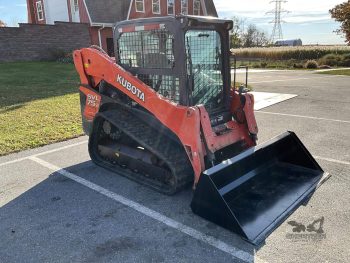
<point x="259" y="188"/>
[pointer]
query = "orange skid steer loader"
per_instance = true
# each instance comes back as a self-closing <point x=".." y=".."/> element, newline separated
<point x="163" y="113"/>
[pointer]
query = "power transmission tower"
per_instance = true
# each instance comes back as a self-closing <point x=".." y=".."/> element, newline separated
<point x="277" y="33"/>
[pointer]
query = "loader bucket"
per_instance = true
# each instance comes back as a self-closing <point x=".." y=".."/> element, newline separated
<point x="254" y="192"/>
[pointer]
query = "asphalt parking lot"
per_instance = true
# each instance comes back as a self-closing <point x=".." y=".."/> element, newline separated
<point x="57" y="206"/>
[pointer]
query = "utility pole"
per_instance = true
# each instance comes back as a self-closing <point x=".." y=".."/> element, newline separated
<point x="277" y="33"/>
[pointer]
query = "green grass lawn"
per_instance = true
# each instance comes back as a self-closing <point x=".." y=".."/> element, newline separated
<point x="39" y="104"/>
<point x="345" y="72"/>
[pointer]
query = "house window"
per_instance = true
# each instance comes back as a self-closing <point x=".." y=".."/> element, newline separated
<point x="140" y="6"/>
<point x="76" y="5"/>
<point x="184" y="7"/>
<point x="39" y="11"/>
<point x="171" y="7"/>
<point x="156" y="6"/>
<point x="197" y="7"/>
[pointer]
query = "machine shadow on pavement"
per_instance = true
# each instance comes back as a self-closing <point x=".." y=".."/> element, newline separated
<point x="59" y="218"/>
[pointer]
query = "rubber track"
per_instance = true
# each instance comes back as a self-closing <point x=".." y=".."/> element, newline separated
<point x="165" y="149"/>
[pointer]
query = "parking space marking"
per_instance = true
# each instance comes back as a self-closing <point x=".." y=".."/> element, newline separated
<point x="290" y="79"/>
<point x="265" y="99"/>
<point x="277" y="80"/>
<point x="302" y="116"/>
<point x="331" y="160"/>
<point x="43" y="153"/>
<point x="243" y="71"/>
<point x="210" y="240"/>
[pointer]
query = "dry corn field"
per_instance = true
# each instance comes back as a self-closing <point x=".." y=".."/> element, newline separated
<point x="286" y="53"/>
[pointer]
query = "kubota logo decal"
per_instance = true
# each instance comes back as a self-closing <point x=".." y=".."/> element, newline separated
<point x="131" y="88"/>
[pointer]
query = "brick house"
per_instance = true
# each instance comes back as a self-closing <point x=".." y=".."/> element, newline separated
<point x="101" y="15"/>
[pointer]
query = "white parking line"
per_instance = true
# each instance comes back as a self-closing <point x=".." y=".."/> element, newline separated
<point x="291" y="79"/>
<point x="43" y="153"/>
<point x="302" y="116"/>
<point x="265" y="99"/>
<point x="277" y="80"/>
<point x="331" y="160"/>
<point x="243" y="71"/>
<point x="330" y="69"/>
<point x="210" y="240"/>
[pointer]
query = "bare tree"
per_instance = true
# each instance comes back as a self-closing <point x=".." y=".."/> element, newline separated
<point x="249" y="37"/>
<point x="236" y="33"/>
<point x="261" y="39"/>
<point x="252" y="37"/>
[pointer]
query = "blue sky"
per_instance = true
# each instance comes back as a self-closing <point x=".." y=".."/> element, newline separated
<point x="308" y="19"/>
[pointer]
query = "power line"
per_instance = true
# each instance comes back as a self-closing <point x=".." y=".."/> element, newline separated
<point x="277" y="33"/>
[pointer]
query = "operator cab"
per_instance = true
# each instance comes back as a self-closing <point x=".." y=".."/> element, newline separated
<point x="183" y="58"/>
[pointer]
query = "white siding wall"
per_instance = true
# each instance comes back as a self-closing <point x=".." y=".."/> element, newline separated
<point x="56" y="10"/>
